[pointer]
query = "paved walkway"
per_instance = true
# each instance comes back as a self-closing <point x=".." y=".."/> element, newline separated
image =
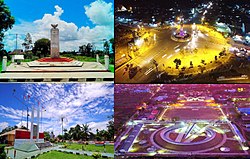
<point x="23" y="155"/>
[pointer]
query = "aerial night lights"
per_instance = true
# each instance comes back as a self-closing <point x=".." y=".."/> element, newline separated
<point x="182" y="121"/>
<point x="182" y="41"/>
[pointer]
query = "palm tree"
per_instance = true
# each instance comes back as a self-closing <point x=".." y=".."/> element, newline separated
<point x="85" y="131"/>
<point x="77" y="132"/>
<point x="71" y="132"/>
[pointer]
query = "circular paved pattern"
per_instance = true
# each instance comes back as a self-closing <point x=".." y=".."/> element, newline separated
<point x="183" y="139"/>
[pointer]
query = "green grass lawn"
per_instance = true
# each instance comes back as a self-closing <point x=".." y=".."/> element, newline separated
<point x="111" y="68"/>
<point x="81" y="58"/>
<point x="62" y="155"/>
<point x="92" y="147"/>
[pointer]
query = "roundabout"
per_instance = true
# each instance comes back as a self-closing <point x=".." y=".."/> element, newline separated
<point x="190" y="50"/>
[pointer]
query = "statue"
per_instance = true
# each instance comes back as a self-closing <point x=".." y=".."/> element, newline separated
<point x="54" y="25"/>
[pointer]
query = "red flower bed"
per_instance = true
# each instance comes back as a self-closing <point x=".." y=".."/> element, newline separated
<point x="48" y="59"/>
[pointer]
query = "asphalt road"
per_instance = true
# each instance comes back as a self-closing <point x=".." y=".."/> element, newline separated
<point x="163" y="49"/>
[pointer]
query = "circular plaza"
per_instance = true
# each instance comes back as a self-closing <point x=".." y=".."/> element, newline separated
<point x="187" y="138"/>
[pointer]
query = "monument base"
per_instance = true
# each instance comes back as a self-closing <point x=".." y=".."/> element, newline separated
<point x="60" y="59"/>
<point x="38" y="63"/>
<point x="26" y="145"/>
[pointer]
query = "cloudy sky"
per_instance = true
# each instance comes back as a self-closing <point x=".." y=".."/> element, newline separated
<point x="89" y="103"/>
<point x="80" y="21"/>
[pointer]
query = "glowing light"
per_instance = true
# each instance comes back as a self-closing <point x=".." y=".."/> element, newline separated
<point x="245" y="148"/>
<point x="161" y="151"/>
<point x="193" y="26"/>
<point x="133" y="149"/>
<point x="138" y="42"/>
<point x="124" y="137"/>
<point x="203" y="18"/>
<point x="151" y="153"/>
<point x="177" y="50"/>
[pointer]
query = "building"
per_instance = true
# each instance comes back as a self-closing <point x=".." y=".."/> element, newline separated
<point x="9" y="137"/>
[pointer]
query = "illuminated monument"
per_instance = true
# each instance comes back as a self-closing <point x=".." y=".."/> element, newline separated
<point x="181" y="35"/>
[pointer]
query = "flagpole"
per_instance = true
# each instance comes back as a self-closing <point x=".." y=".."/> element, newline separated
<point x="42" y="120"/>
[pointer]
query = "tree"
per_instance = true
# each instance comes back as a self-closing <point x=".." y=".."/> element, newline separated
<point x="9" y="128"/>
<point x="104" y="135"/>
<point x="60" y="137"/>
<point x="66" y="136"/>
<point x="106" y="47"/>
<point x="112" y="42"/>
<point x="27" y="42"/>
<point x="111" y="128"/>
<point x="41" y="47"/>
<point x="85" y="131"/>
<point x="90" y="49"/>
<point x="75" y="133"/>
<point x="82" y="49"/>
<point x="6" y="21"/>
<point x="46" y="136"/>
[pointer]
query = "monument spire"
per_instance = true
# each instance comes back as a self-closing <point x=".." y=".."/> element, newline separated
<point x="54" y="43"/>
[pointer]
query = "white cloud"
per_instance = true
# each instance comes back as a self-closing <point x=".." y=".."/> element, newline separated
<point x="71" y="36"/>
<point x="98" y="125"/>
<point x="78" y="103"/>
<point x="3" y="125"/>
<point x="100" y="12"/>
<point x="59" y="11"/>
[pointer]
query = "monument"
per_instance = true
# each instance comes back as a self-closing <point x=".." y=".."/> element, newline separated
<point x="54" y="43"/>
<point x="55" y="68"/>
<point x="31" y="140"/>
<point x="181" y="35"/>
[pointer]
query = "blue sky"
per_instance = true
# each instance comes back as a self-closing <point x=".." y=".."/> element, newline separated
<point x="78" y="103"/>
<point x="80" y="21"/>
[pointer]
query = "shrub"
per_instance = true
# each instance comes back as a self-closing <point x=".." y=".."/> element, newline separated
<point x="2" y="152"/>
<point x="96" y="155"/>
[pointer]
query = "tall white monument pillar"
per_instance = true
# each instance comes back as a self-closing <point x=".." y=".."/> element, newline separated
<point x="38" y="120"/>
<point x="54" y="43"/>
<point x="32" y="124"/>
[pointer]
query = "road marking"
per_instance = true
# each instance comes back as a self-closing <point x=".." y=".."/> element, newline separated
<point x="148" y="71"/>
<point x="177" y="50"/>
<point x="176" y="46"/>
<point x="164" y="55"/>
<point x="169" y="56"/>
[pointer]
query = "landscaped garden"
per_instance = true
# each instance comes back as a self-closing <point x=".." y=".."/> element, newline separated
<point x="90" y="147"/>
<point x="63" y="155"/>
